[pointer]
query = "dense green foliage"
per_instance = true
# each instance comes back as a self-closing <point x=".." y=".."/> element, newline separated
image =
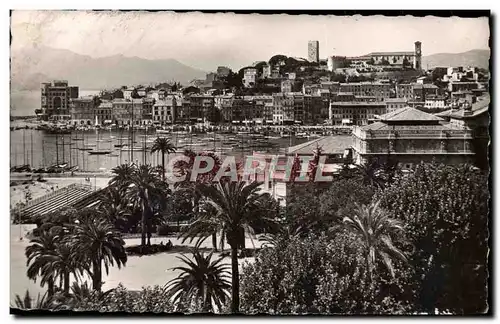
<point x="445" y="209"/>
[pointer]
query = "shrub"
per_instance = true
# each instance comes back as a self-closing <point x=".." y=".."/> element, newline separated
<point x="313" y="275"/>
<point x="164" y="230"/>
<point x="149" y="299"/>
<point x="148" y="249"/>
<point x="445" y="209"/>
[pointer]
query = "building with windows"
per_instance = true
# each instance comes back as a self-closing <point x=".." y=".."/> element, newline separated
<point x="164" y="111"/>
<point x="435" y="102"/>
<point x="104" y="113"/>
<point x="378" y="90"/>
<point x="82" y="110"/>
<point x="147" y="111"/>
<point x="355" y="113"/>
<point x="411" y="136"/>
<point x="124" y="113"/>
<point x="462" y="86"/>
<point x="287" y="86"/>
<point x="392" y="104"/>
<point x="313" y="51"/>
<point x="422" y="91"/>
<point x="55" y="100"/>
<point x="404" y="90"/>
<point x="400" y="59"/>
<point x="202" y="108"/>
<point x="250" y="77"/>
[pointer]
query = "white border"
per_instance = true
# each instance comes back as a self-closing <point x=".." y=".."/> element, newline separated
<point x="193" y="5"/>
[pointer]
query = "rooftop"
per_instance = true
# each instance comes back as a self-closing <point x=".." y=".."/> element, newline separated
<point x="479" y="107"/>
<point x="329" y="144"/>
<point x="395" y="100"/>
<point x="409" y="114"/>
<point x="381" y="126"/>
<point x="426" y="85"/>
<point x="358" y="103"/>
<point x="390" y="53"/>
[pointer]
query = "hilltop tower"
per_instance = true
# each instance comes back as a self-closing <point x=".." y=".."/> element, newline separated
<point x="417" y="63"/>
<point x="313" y="51"/>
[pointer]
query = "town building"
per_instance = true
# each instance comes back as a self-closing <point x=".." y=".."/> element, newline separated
<point x="82" y="110"/>
<point x="473" y="116"/>
<point x="404" y="90"/>
<point x="122" y="111"/>
<point x="315" y="109"/>
<point x="422" y="91"/>
<point x="337" y="62"/>
<point x="288" y="108"/>
<point x="378" y="90"/>
<point x="399" y="59"/>
<point x="462" y="86"/>
<point x="164" y="111"/>
<point x="127" y="93"/>
<point x="104" y="113"/>
<point x="202" y="108"/>
<point x="435" y="102"/>
<point x="392" y="104"/>
<point x="266" y="71"/>
<point x="250" y="77"/>
<point x="147" y="111"/>
<point x="55" y="100"/>
<point x="287" y="86"/>
<point x="264" y="108"/>
<point x="410" y="136"/>
<point x="355" y="113"/>
<point x="313" y="51"/>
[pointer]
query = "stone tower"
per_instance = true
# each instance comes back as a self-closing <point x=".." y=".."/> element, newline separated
<point x="313" y="51"/>
<point x="417" y="63"/>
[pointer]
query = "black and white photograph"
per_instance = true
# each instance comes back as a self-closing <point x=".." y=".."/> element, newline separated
<point x="261" y="163"/>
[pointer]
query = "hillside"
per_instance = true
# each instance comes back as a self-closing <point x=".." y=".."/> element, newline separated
<point x="479" y="58"/>
<point x="32" y="66"/>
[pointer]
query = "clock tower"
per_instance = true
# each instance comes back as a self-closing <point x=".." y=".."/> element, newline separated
<point x="417" y="63"/>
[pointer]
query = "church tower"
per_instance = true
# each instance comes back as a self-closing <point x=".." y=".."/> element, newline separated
<point x="417" y="63"/>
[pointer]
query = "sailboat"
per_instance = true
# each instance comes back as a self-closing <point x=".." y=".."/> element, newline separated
<point x="98" y="151"/>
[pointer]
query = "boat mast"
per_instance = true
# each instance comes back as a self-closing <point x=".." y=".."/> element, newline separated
<point x="132" y="137"/>
<point x="31" y="142"/>
<point x="70" y="148"/>
<point x="24" y="147"/>
<point x="63" y="161"/>
<point x="57" y="149"/>
<point x="43" y="153"/>
<point x="121" y="145"/>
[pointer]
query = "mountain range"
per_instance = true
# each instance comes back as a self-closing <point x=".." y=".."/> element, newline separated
<point x="30" y="67"/>
<point x="477" y="57"/>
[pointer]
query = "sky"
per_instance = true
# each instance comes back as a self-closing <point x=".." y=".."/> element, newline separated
<point x="206" y="41"/>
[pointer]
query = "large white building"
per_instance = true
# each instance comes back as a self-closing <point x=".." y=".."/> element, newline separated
<point x="164" y="111"/>
<point x="250" y="77"/>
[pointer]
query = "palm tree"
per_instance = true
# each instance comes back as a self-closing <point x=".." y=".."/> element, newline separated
<point x="201" y="279"/>
<point x="163" y="145"/>
<point x="27" y="302"/>
<point x="374" y="228"/>
<point x="236" y="204"/>
<point x="99" y="243"/>
<point x="150" y="193"/>
<point x="113" y="206"/>
<point x="371" y="173"/>
<point x="122" y="174"/>
<point x="42" y="247"/>
<point x="64" y="261"/>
